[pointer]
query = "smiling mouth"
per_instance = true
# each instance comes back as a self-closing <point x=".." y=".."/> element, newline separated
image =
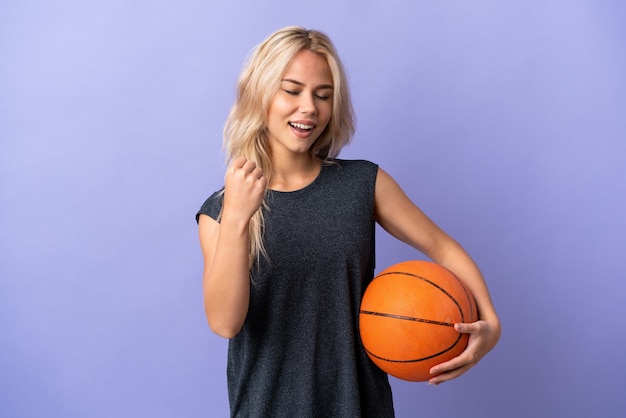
<point x="301" y="126"/>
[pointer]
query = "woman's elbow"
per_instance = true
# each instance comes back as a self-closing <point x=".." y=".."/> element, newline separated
<point x="224" y="329"/>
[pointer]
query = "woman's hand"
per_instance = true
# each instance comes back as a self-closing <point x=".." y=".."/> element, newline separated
<point x="484" y="334"/>
<point x="244" y="189"/>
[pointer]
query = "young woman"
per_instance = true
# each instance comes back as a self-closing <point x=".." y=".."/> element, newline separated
<point x="288" y="243"/>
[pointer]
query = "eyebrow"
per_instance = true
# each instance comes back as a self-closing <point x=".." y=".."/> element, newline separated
<point x="299" y="83"/>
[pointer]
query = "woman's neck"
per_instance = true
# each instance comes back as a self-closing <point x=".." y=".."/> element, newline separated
<point x="294" y="173"/>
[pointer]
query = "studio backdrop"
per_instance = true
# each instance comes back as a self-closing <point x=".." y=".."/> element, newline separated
<point x="504" y="121"/>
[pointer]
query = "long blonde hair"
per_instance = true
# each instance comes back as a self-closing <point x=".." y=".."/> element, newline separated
<point x="245" y="129"/>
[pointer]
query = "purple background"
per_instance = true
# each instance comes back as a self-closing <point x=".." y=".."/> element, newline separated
<point x="504" y="121"/>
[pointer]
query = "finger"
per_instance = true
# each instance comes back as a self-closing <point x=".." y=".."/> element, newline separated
<point x="238" y="162"/>
<point x="466" y="328"/>
<point x="449" y="365"/>
<point x="444" y="377"/>
<point x="249" y="166"/>
<point x="257" y="173"/>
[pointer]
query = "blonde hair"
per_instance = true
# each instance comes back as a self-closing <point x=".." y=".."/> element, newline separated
<point x="245" y="129"/>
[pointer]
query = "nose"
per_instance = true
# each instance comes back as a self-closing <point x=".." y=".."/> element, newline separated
<point x="307" y="104"/>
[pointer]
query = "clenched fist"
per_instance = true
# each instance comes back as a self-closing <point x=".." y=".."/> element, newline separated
<point x="244" y="189"/>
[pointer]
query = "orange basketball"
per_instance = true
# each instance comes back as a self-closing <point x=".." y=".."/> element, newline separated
<point x="407" y="318"/>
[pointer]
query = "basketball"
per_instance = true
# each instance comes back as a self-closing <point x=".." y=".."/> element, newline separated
<point x="407" y="317"/>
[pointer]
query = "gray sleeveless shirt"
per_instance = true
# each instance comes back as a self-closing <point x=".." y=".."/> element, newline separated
<point x="299" y="353"/>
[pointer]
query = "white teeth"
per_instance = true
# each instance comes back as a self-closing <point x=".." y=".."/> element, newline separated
<point x="301" y="126"/>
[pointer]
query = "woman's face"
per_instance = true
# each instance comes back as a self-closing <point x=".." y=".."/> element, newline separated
<point x="300" y="110"/>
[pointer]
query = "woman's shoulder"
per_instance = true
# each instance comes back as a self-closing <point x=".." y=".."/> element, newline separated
<point x="212" y="205"/>
<point x="353" y="173"/>
<point x="356" y="165"/>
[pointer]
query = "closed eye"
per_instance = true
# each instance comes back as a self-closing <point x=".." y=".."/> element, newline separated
<point x="295" y="93"/>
